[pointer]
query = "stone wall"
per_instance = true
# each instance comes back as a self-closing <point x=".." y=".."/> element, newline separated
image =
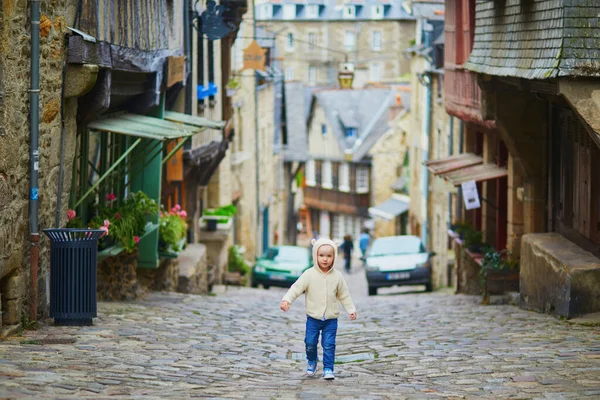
<point x="117" y="278"/>
<point x="14" y="145"/>
<point x="396" y="37"/>
<point x="163" y="279"/>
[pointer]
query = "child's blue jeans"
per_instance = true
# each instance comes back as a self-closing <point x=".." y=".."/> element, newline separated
<point x="328" y="330"/>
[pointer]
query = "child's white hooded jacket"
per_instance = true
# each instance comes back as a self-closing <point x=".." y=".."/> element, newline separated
<point x="324" y="291"/>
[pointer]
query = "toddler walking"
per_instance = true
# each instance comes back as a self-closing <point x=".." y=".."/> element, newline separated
<point x="325" y="288"/>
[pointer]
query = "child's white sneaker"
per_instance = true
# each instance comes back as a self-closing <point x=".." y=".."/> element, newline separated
<point x="328" y="374"/>
<point x="311" y="369"/>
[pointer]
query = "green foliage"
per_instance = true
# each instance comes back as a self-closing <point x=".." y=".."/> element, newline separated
<point x="171" y="230"/>
<point x="495" y="261"/>
<point x="75" y="223"/>
<point x="225" y="211"/>
<point x="127" y="222"/>
<point x="236" y="262"/>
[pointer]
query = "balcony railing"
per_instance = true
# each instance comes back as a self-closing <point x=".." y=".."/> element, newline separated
<point x="335" y="201"/>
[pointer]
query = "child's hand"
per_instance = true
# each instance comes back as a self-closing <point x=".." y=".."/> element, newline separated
<point x="352" y="316"/>
<point x="284" y="305"/>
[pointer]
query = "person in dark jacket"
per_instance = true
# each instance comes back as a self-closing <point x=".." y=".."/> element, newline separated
<point x="347" y="247"/>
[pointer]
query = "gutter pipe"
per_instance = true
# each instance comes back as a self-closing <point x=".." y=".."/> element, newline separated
<point x="426" y="130"/>
<point x="34" y="116"/>
<point x="256" y="144"/>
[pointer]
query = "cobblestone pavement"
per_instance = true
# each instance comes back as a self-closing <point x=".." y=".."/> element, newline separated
<point x="238" y="344"/>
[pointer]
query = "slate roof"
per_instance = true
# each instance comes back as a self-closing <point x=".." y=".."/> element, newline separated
<point x="296" y="112"/>
<point x="367" y="110"/>
<point x="330" y="11"/>
<point x="536" y="39"/>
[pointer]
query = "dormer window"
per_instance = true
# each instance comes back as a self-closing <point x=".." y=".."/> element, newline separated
<point x="312" y="11"/>
<point x="349" y="12"/>
<point x="289" y="11"/>
<point x="377" y="12"/>
<point x="351" y="133"/>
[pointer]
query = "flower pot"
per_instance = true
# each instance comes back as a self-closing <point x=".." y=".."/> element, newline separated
<point x="211" y="225"/>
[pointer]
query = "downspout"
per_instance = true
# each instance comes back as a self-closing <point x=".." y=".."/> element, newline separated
<point x="450" y="152"/>
<point x="187" y="34"/>
<point x="256" y="143"/>
<point x="34" y="116"/>
<point x="461" y="139"/>
<point x="426" y="130"/>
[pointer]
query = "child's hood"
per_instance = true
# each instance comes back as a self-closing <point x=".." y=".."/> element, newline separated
<point x="322" y="242"/>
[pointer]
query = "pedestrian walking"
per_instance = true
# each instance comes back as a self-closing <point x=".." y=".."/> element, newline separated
<point x="324" y="289"/>
<point x="347" y="247"/>
<point x="363" y="243"/>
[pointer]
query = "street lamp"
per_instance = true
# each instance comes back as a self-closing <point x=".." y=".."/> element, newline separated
<point x="346" y="75"/>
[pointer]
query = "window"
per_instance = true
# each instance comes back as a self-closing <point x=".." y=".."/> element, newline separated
<point x="344" y="177"/>
<point x="338" y="227"/>
<point x="376" y="41"/>
<point x="375" y="73"/>
<point x="312" y="40"/>
<point x="265" y="11"/>
<point x="349" y="12"/>
<point x="311" y="179"/>
<point x="289" y="11"/>
<point x="324" y="129"/>
<point x="377" y="12"/>
<point x="326" y="175"/>
<point x="312" y="75"/>
<point x="349" y="40"/>
<point x="312" y="11"/>
<point x="289" y="73"/>
<point x="351" y="133"/>
<point x="290" y="43"/>
<point x="362" y="180"/>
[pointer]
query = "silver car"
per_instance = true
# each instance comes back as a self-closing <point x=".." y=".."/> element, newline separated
<point x="397" y="261"/>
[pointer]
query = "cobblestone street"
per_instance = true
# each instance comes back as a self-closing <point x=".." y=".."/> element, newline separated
<point x="238" y="344"/>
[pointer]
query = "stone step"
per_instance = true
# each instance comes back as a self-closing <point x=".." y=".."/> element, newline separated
<point x="193" y="272"/>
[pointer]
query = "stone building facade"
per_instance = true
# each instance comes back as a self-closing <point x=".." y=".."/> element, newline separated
<point x="370" y="35"/>
<point x="15" y="279"/>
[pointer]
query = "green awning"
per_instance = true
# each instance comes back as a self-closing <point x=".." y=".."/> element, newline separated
<point x="144" y="127"/>
<point x="193" y="120"/>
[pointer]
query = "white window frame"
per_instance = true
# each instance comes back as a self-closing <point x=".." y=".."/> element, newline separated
<point x="349" y="40"/>
<point x="344" y="176"/>
<point x="289" y="73"/>
<point x="362" y="180"/>
<point x="312" y="11"/>
<point x="327" y="175"/>
<point x="310" y="173"/>
<point x="375" y="72"/>
<point x="267" y="11"/>
<point x="376" y="44"/>
<point x="377" y="11"/>
<point x="311" y="43"/>
<point x="289" y="11"/>
<point x="290" y="42"/>
<point x="349" y="12"/>
<point x="312" y="75"/>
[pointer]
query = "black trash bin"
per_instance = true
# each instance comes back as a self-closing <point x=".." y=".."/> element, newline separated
<point x="73" y="268"/>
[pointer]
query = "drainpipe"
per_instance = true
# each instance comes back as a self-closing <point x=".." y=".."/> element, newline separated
<point x="425" y="172"/>
<point x="187" y="43"/>
<point x="461" y="139"/>
<point x="34" y="116"/>
<point x="450" y="152"/>
<point x="256" y="144"/>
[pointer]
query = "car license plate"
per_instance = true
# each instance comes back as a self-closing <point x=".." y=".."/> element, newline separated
<point x="398" y="276"/>
<point x="277" y="277"/>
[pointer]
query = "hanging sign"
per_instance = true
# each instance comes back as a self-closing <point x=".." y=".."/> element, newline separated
<point x="254" y="57"/>
<point x="470" y="195"/>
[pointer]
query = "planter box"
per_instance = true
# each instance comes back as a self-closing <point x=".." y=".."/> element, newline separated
<point x="205" y="223"/>
<point x="502" y="281"/>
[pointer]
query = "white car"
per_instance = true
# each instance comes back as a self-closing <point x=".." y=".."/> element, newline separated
<point x="397" y="261"/>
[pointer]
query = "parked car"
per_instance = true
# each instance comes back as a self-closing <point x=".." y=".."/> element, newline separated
<point x="397" y="261"/>
<point x="280" y="266"/>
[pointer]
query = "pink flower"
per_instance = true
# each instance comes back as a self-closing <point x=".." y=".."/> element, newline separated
<point x="136" y="239"/>
<point x="111" y="197"/>
<point x="106" y="223"/>
<point x="105" y="229"/>
<point x="118" y="216"/>
<point x="71" y="214"/>
<point x="177" y="207"/>
<point x="183" y="214"/>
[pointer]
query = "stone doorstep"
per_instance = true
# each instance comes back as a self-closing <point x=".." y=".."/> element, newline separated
<point x="587" y="320"/>
<point x="192" y="269"/>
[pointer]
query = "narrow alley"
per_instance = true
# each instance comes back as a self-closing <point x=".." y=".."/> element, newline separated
<point x="238" y="344"/>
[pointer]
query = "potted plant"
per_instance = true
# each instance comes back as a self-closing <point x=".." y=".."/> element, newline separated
<point x="499" y="266"/>
<point x="232" y="87"/>
<point x="219" y="218"/>
<point x="172" y="228"/>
